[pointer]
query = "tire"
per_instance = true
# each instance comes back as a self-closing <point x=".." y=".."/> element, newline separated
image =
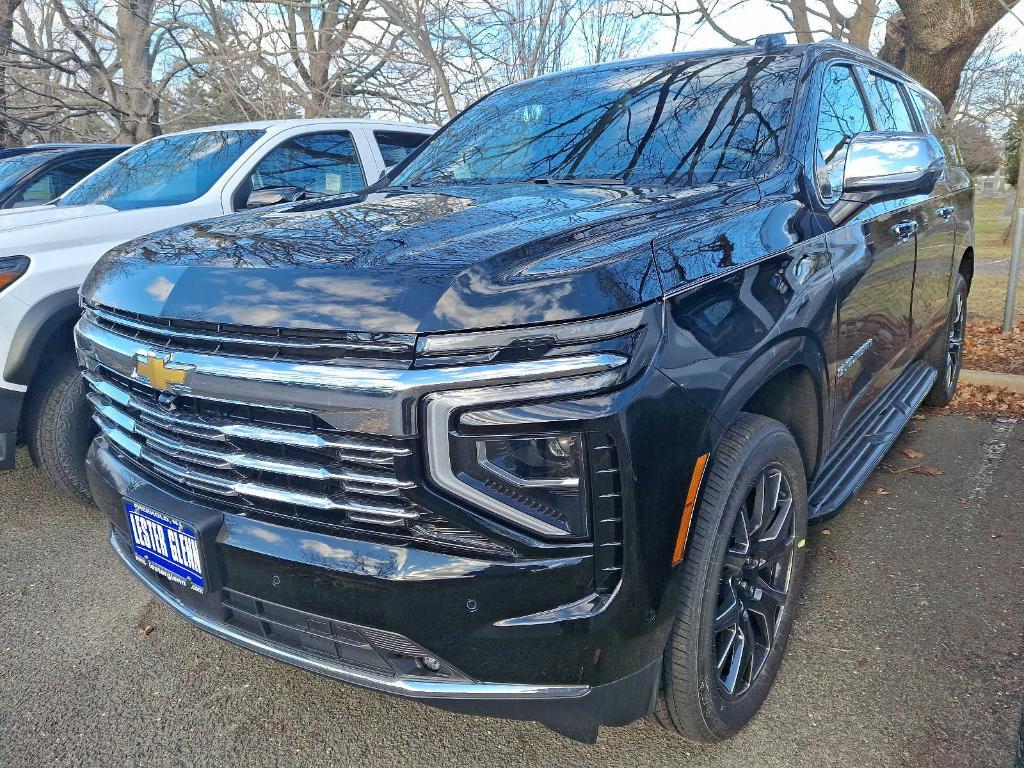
<point x="696" y="701"/>
<point x="58" y="425"/>
<point x="947" y="352"/>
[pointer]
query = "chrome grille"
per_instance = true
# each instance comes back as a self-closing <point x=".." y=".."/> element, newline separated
<point x="321" y="476"/>
<point x="266" y="343"/>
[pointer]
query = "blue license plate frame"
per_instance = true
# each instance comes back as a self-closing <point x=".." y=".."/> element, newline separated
<point x="166" y="545"/>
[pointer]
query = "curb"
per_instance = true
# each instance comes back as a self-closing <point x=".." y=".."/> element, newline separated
<point x="1009" y="381"/>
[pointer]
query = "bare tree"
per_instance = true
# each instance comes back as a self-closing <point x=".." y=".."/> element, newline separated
<point x="933" y="40"/>
<point x="805" y="18"/>
<point x="7" y="9"/>
<point x="117" y="58"/>
<point x="609" y="30"/>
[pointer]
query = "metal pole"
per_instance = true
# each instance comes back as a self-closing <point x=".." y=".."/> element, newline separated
<point x="1015" y="258"/>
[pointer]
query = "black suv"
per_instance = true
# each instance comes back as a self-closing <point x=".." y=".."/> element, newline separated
<point x="535" y="426"/>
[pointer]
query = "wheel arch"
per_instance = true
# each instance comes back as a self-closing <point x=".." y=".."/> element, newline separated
<point x="788" y="382"/>
<point x="44" y="330"/>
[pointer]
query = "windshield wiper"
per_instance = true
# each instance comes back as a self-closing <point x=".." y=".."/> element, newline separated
<point x="587" y="182"/>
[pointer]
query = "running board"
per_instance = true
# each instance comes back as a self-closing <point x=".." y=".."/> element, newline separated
<point x="851" y="462"/>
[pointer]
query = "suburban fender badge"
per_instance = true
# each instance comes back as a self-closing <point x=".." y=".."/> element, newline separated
<point x="160" y="373"/>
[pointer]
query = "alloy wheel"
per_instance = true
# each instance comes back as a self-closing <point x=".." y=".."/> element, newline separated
<point x="955" y="347"/>
<point x="755" y="582"/>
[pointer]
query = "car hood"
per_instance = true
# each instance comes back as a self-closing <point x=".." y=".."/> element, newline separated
<point x="418" y="261"/>
<point x="48" y="215"/>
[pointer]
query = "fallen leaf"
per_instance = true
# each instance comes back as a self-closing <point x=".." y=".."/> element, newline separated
<point x="927" y="471"/>
<point x="883" y="491"/>
<point x="145" y="629"/>
<point x="826" y="532"/>
<point x="910" y="453"/>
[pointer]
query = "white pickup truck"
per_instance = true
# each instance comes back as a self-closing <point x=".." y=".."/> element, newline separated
<point x="46" y="251"/>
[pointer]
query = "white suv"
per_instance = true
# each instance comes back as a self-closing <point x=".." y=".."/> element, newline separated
<point x="46" y="252"/>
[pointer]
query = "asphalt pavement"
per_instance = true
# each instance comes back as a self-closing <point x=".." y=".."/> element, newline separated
<point x="907" y="650"/>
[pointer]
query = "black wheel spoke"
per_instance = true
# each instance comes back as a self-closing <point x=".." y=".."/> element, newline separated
<point x="766" y="601"/>
<point x="778" y="540"/>
<point x="754" y="581"/>
<point x="728" y="615"/>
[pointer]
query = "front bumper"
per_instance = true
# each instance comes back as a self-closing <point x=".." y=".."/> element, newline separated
<point x="10" y="414"/>
<point x="543" y="666"/>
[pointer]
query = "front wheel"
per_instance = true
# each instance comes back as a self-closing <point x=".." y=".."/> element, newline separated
<point x="742" y="572"/>
<point x="58" y="425"/>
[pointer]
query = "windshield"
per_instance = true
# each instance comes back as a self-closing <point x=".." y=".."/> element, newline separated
<point x="13" y="169"/>
<point x="681" y="123"/>
<point x="169" y="170"/>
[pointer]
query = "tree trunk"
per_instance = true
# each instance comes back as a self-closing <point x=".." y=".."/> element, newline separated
<point x="801" y="22"/>
<point x="858" y="26"/>
<point x="139" y="109"/>
<point x="932" y="40"/>
<point x="7" y="8"/>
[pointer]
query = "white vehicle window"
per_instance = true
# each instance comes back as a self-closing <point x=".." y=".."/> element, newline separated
<point x="169" y="170"/>
<point x="395" y="146"/>
<point x="318" y="164"/>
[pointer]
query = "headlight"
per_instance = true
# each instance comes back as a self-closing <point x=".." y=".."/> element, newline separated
<point x="11" y="268"/>
<point x="532" y="471"/>
<point x="535" y="479"/>
<point x="542" y="475"/>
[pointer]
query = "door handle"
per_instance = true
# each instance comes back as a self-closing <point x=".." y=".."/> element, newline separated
<point x="946" y="212"/>
<point x="904" y="230"/>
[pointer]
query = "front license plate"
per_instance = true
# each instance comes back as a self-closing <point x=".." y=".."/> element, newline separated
<point x="167" y="545"/>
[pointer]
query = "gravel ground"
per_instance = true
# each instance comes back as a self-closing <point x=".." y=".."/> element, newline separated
<point x="907" y="651"/>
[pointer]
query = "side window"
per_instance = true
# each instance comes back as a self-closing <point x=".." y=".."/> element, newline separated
<point x="395" y="146"/>
<point x="938" y="124"/>
<point x="891" y="112"/>
<point x="56" y="181"/>
<point x="841" y="116"/>
<point x="318" y="164"/>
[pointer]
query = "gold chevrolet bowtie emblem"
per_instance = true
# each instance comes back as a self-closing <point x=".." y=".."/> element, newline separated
<point x="155" y="371"/>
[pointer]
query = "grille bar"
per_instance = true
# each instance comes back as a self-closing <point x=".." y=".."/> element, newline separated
<point x="250" y="461"/>
<point x="196" y="453"/>
<point x="360" y="511"/>
<point x="209" y="428"/>
<point x="279" y="342"/>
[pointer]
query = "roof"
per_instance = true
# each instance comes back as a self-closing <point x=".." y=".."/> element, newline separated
<point x="739" y="50"/>
<point x="338" y="121"/>
<point x="56" y="149"/>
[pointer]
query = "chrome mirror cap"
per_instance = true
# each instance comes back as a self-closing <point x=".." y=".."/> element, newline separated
<point x="887" y="163"/>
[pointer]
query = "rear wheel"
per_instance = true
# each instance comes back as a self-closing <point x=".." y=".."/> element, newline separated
<point x="948" y="353"/>
<point x="58" y="426"/>
<point x="742" y="572"/>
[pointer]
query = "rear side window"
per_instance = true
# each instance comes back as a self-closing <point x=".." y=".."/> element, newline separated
<point x="395" y="146"/>
<point x="56" y="181"/>
<point x="938" y="124"/>
<point x="841" y="116"/>
<point x="891" y="111"/>
<point x="318" y="164"/>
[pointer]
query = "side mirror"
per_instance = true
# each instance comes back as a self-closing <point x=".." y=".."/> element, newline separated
<point x="260" y="198"/>
<point x="886" y="166"/>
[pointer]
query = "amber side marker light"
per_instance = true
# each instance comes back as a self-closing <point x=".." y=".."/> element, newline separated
<point x="691" y="501"/>
<point x="11" y="268"/>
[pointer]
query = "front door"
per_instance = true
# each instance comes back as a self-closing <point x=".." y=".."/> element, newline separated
<point x="872" y="259"/>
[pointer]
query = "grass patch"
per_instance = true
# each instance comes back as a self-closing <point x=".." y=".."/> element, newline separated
<point x="989" y="227"/>
<point x="988" y="291"/>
